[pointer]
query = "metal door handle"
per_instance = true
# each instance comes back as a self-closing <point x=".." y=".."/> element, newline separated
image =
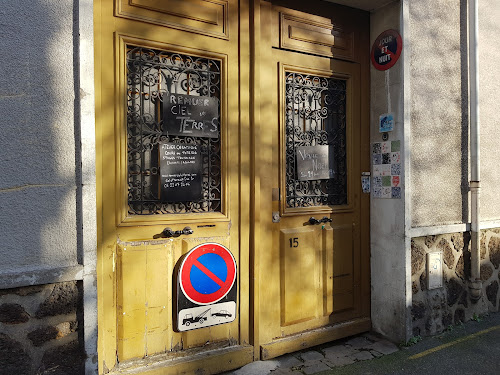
<point x="167" y="232"/>
<point x="313" y="221"/>
<point x="187" y="231"/>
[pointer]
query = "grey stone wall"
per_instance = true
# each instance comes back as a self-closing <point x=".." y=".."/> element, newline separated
<point x="435" y="310"/>
<point x="41" y="330"/>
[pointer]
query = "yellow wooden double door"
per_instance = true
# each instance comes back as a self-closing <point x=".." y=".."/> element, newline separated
<point x="288" y="82"/>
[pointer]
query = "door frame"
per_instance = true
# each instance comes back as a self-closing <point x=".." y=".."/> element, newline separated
<point x="252" y="223"/>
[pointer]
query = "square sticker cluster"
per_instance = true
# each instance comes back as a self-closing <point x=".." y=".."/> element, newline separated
<point x="386" y="161"/>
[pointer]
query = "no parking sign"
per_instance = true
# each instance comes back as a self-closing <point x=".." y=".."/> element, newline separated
<point x="206" y="287"/>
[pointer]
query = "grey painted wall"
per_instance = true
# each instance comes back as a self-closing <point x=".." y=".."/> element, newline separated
<point x="489" y="56"/>
<point x="38" y="190"/>
<point x="47" y="150"/>
<point x="439" y="128"/>
<point x="439" y="111"/>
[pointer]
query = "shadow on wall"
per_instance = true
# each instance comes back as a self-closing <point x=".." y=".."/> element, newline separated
<point x="40" y="188"/>
<point x="464" y="89"/>
<point x="439" y="113"/>
<point x="38" y="191"/>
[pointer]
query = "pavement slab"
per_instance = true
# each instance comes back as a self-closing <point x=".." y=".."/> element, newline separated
<point x="383" y="346"/>
<point x="257" y="367"/>
<point x="311" y="355"/>
<point x="370" y="336"/>
<point x="338" y="351"/>
<point x="339" y="361"/>
<point x="362" y="355"/>
<point x="359" y="342"/>
<point x="313" y="367"/>
<point x="286" y="371"/>
<point x="288" y="361"/>
<point x="376" y="354"/>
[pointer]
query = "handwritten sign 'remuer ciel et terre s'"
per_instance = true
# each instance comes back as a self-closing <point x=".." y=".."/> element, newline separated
<point x="195" y="116"/>
<point x="314" y="162"/>
<point x="180" y="172"/>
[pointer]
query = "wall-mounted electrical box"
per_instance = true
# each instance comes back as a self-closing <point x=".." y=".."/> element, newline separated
<point x="434" y="270"/>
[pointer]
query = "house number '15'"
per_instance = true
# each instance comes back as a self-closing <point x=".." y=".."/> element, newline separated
<point x="294" y="242"/>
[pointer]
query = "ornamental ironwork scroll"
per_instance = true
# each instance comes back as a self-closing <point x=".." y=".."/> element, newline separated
<point x="153" y="76"/>
<point x="315" y="115"/>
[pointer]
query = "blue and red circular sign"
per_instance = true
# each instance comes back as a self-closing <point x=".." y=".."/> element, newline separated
<point x="207" y="273"/>
<point x="386" y="50"/>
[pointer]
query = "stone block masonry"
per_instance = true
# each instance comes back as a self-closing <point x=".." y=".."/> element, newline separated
<point x="41" y="330"/>
<point x="433" y="311"/>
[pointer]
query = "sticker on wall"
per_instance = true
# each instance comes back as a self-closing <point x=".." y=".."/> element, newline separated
<point x="386" y="50"/>
<point x="386" y="164"/>
<point x="206" y="287"/>
<point x="365" y="184"/>
<point x="386" y="122"/>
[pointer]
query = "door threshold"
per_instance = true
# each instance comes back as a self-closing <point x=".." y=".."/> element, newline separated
<point x="209" y="362"/>
<point x="314" y="337"/>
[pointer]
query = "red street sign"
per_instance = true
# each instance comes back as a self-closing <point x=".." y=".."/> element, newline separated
<point x="207" y="273"/>
<point x="386" y="50"/>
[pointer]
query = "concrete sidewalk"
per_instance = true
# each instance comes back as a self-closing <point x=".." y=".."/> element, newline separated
<point x="471" y="348"/>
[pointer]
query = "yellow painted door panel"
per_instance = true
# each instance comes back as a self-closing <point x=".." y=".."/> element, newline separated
<point x="314" y="269"/>
<point x="156" y="60"/>
<point x="299" y="281"/>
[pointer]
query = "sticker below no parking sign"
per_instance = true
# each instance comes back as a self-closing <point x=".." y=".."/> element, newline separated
<point x="386" y="50"/>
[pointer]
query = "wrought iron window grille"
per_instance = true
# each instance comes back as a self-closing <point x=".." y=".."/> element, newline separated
<point x="315" y="114"/>
<point x="151" y="75"/>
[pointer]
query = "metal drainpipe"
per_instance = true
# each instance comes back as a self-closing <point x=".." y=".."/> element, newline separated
<point x="475" y="285"/>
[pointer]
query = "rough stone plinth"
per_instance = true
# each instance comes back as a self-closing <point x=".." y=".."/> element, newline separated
<point x="13" y="313"/>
